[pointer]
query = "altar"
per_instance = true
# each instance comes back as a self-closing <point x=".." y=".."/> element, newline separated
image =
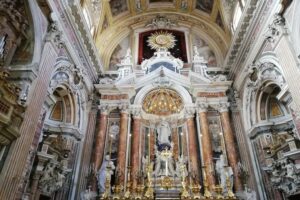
<point x="174" y="139"/>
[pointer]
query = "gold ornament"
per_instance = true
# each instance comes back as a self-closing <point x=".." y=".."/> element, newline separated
<point x="161" y="40"/>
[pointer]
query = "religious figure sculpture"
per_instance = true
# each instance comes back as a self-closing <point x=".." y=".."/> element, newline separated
<point x="223" y="173"/>
<point x="291" y="170"/>
<point x="48" y="173"/>
<point x="181" y="169"/>
<point x="52" y="178"/>
<point x="164" y="163"/>
<point x="105" y="172"/>
<point x="164" y="132"/>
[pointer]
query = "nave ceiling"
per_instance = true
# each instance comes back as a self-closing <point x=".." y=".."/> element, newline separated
<point x="113" y="21"/>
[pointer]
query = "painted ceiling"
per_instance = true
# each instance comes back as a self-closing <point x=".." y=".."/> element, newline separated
<point x="120" y="19"/>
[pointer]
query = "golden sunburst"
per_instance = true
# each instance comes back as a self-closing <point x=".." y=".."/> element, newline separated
<point x="161" y="40"/>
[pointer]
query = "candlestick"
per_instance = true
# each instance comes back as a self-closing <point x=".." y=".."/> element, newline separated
<point x="148" y="148"/>
<point x="110" y="145"/>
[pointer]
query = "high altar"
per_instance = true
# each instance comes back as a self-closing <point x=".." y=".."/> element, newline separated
<point x="171" y="138"/>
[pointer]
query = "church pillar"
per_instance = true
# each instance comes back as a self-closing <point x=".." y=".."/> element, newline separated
<point x="230" y="146"/>
<point x="135" y="150"/>
<point x="192" y="147"/>
<point x="121" y="163"/>
<point x="175" y="141"/>
<point x="99" y="144"/>
<point x="152" y="142"/>
<point x="206" y="147"/>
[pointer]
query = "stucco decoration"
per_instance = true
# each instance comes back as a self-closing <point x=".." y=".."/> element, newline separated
<point x="119" y="54"/>
<point x="204" y="50"/>
<point x="205" y="5"/>
<point x="118" y="6"/>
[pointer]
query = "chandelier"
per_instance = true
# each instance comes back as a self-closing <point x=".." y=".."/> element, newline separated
<point x="162" y="101"/>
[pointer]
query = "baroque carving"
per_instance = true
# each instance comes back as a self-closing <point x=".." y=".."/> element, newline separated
<point x="160" y="22"/>
<point x="53" y="178"/>
<point x="274" y="31"/>
<point x="285" y="176"/>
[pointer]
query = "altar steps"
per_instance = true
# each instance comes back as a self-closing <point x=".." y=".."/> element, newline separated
<point x="167" y="195"/>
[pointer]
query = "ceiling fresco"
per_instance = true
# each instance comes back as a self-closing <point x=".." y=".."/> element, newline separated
<point x="121" y="18"/>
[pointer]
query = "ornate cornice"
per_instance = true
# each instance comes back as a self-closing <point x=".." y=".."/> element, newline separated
<point x="77" y="39"/>
<point x="253" y="21"/>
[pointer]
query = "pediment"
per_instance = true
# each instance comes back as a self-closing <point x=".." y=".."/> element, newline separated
<point x="163" y="77"/>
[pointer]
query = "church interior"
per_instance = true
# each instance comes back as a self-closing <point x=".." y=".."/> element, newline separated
<point x="149" y="99"/>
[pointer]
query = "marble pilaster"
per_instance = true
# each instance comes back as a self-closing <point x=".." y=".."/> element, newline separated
<point x="85" y="169"/>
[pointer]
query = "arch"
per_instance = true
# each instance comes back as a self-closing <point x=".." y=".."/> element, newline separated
<point x="268" y="73"/>
<point x="185" y="95"/>
<point x="122" y="27"/>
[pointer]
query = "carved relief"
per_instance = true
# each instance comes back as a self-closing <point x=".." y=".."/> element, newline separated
<point x="119" y="54"/>
<point x="15" y="33"/>
<point x="204" y="51"/>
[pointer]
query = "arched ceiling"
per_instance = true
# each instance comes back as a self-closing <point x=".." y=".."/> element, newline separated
<point x="119" y="18"/>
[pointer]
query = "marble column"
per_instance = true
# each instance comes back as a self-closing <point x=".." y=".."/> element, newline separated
<point x="230" y="146"/>
<point x="206" y="147"/>
<point x="193" y="150"/>
<point x="175" y="141"/>
<point x="100" y="144"/>
<point x="152" y="142"/>
<point x="135" y="150"/>
<point x="121" y="163"/>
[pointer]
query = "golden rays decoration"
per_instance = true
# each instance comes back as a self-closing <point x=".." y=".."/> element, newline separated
<point x="162" y="101"/>
<point x="161" y="40"/>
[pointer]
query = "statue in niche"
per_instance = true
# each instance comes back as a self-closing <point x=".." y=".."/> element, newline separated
<point x="164" y="133"/>
<point x="224" y="172"/>
<point x="216" y="140"/>
<point x="105" y="172"/>
<point x="114" y="129"/>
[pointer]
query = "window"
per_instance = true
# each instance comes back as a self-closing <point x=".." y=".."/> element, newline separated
<point x="237" y="14"/>
<point x="87" y="17"/>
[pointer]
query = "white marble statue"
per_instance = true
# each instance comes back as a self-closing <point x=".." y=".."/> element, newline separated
<point x="249" y="194"/>
<point x="181" y="169"/>
<point x="105" y="172"/>
<point x="114" y="129"/>
<point x="164" y="132"/>
<point x="224" y="172"/>
<point x="48" y="173"/>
